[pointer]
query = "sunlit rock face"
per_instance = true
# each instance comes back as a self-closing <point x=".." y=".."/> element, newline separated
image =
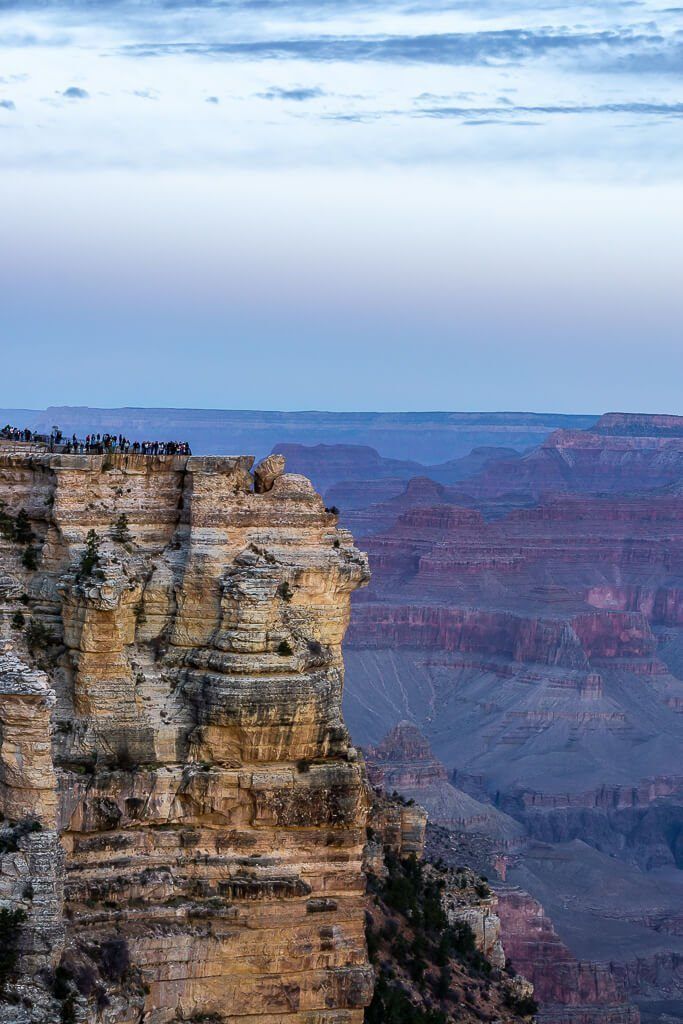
<point x="171" y="722"/>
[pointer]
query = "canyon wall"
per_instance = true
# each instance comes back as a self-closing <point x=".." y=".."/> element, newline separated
<point x="509" y="923"/>
<point x="528" y="619"/>
<point x="568" y="989"/>
<point x="183" y="813"/>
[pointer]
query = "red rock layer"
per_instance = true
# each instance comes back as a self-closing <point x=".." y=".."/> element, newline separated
<point x="568" y="989"/>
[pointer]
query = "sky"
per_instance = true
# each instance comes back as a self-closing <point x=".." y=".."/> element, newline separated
<point x="342" y="204"/>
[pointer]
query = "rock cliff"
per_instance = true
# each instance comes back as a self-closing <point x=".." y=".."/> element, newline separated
<point x="433" y="932"/>
<point x="183" y="814"/>
<point x="568" y="989"/>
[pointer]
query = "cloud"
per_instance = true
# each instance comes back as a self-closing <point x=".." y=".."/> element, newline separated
<point x="28" y="40"/>
<point x="352" y="118"/>
<point x="212" y="99"/>
<point x="502" y="124"/>
<point x="299" y="94"/>
<point x="645" y="109"/>
<point x="664" y="60"/>
<point x="490" y="48"/>
<point x="75" y="93"/>
<point x="7" y="105"/>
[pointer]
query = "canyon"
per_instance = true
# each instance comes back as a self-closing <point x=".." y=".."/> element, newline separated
<point x="187" y="833"/>
<point x="526" y="617"/>
<point x="175" y="763"/>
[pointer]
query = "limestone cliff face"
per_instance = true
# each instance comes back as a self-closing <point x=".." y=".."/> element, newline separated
<point x="182" y="752"/>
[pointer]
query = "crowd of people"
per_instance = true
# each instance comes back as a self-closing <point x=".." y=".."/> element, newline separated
<point x="99" y="444"/>
<point x="10" y="433"/>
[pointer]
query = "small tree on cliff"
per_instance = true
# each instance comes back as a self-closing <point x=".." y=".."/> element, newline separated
<point x="121" y="533"/>
<point x="90" y="558"/>
<point x="29" y="559"/>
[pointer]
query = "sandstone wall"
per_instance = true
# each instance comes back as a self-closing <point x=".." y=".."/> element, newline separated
<point x="186" y="744"/>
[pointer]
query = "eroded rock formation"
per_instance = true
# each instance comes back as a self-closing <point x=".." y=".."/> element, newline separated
<point x="184" y="814"/>
<point x="568" y="989"/>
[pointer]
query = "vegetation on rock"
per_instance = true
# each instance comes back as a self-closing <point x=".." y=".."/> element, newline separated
<point x="429" y="971"/>
<point x="121" y="531"/>
<point x="90" y="558"/>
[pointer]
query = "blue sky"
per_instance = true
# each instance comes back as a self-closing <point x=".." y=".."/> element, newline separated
<point x="329" y="204"/>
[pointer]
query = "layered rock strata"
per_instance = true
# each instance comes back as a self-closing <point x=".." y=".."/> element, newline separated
<point x="182" y="761"/>
<point x="568" y="989"/>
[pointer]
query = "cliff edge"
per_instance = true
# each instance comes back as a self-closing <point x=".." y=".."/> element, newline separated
<point x="183" y="814"/>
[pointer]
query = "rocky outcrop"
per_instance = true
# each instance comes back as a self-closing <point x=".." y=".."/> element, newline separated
<point x="267" y="472"/>
<point x="357" y="477"/>
<point x="630" y="424"/>
<point x="433" y="933"/>
<point x="404" y="760"/>
<point x="566" y="988"/>
<point x="562" y="605"/>
<point x="404" y="763"/>
<point x="185" y="815"/>
<point x="468" y="899"/>
<point x="32" y="931"/>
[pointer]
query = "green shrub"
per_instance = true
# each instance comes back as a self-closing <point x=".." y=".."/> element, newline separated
<point x="391" y="1005"/>
<point x="114" y="958"/>
<point x="461" y="938"/>
<point x="29" y="559"/>
<point x="315" y="648"/>
<point x="62" y="990"/>
<point x="443" y="984"/>
<point x="61" y="986"/>
<point x="18" y="620"/>
<point x="90" y="558"/>
<point x="9" y="840"/>
<point x="284" y="648"/>
<point x="16" y="528"/>
<point x="38" y="636"/>
<point x="6" y="523"/>
<point x="372" y="939"/>
<point x="421" y="944"/>
<point x="525" y="1006"/>
<point x="435" y="918"/>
